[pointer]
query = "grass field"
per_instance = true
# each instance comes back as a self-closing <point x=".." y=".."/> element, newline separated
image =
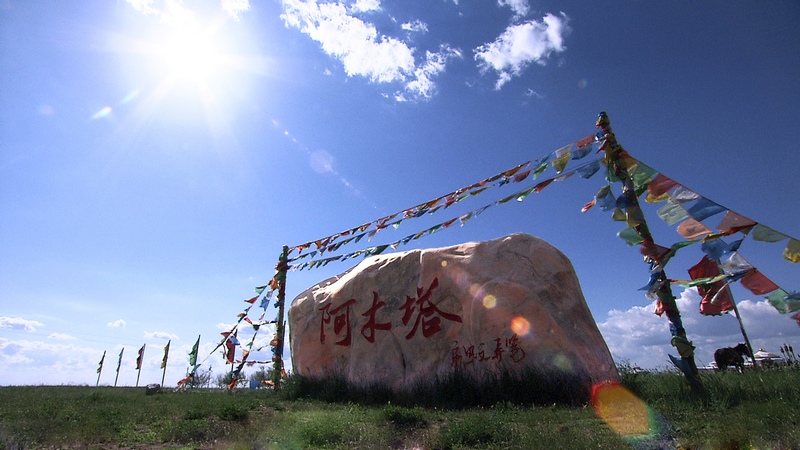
<point x="757" y="409"/>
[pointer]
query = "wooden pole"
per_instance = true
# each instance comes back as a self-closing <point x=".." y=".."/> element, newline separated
<point x="139" y="366"/>
<point x="164" y="362"/>
<point x="744" y="333"/>
<point x="119" y="363"/>
<point x="618" y="162"/>
<point x="280" y="327"/>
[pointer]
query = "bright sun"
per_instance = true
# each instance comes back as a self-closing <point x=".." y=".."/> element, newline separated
<point x="191" y="53"/>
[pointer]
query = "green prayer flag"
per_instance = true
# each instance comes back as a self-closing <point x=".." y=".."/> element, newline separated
<point x="630" y="236"/>
<point x="779" y="299"/>
<point x="642" y="174"/>
<point x="193" y="353"/>
<point x="672" y="213"/>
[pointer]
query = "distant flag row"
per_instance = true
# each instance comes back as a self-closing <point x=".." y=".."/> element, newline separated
<point x="139" y="361"/>
<point x="230" y="341"/>
<point x="557" y="159"/>
<point x="585" y="170"/>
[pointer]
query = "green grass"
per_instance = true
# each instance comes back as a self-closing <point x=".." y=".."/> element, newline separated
<point x="757" y="409"/>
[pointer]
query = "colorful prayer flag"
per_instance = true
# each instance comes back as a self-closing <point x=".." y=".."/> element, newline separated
<point x="733" y="222"/>
<point x="705" y="208"/>
<point x="764" y="233"/>
<point x="100" y="365"/>
<point x="672" y="212"/>
<point x="783" y="302"/>
<point x="140" y="358"/>
<point x="792" y="251"/>
<point x="757" y="283"/>
<point x="722" y="301"/>
<point x="692" y="229"/>
<point x="660" y="185"/>
<point x="166" y="355"/>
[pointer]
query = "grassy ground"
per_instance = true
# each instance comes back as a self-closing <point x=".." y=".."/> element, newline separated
<point x="757" y="409"/>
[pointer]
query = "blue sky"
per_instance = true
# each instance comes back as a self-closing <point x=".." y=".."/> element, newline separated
<point x="156" y="155"/>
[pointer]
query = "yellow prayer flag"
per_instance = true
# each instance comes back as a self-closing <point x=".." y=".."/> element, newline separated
<point x="792" y="251"/>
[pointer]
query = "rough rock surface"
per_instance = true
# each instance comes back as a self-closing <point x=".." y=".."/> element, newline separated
<point x="503" y="305"/>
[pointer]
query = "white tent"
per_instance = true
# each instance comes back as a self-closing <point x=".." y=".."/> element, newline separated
<point x="764" y="357"/>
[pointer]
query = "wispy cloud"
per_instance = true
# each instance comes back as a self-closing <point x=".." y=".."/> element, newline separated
<point x="61" y="337"/>
<point x="641" y="337"/>
<point x="119" y="323"/>
<point x="520" y="7"/>
<point x="522" y="44"/>
<point x="356" y="43"/>
<point x="159" y="335"/>
<point x="416" y="26"/>
<point x="19" y="324"/>
<point x="174" y="10"/>
<point x="235" y="7"/>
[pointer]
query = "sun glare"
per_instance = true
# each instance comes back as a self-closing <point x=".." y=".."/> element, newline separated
<point x="190" y="53"/>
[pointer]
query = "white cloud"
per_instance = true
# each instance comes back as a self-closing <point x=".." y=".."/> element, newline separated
<point x="159" y="335"/>
<point x="520" y="7"/>
<point x="361" y="49"/>
<point x="61" y="336"/>
<point x="366" y="5"/>
<point x="523" y="44"/>
<point x="416" y="26"/>
<point x="643" y="338"/>
<point x="422" y="86"/>
<point x="119" y="323"/>
<point x="174" y="10"/>
<point x="37" y="354"/>
<point x="19" y="324"/>
<point x="235" y="7"/>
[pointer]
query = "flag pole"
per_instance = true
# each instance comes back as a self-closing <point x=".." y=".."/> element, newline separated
<point x="100" y="369"/>
<point x="619" y="161"/>
<point x="140" y="361"/>
<point x="280" y="327"/>
<point x="744" y="333"/>
<point x="119" y="363"/>
<point x="164" y="362"/>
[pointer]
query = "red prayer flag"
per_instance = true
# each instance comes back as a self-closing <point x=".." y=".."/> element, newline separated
<point x="757" y="283"/>
<point x="585" y="142"/>
<point x="230" y="350"/>
<point x="723" y="302"/>
<point x="539" y="187"/>
<point x="796" y="317"/>
<point x="252" y="300"/>
<point x="733" y="222"/>
<point x="660" y="185"/>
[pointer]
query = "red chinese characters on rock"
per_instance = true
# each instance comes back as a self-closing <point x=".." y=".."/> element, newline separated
<point x="427" y="314"/>
<point x="341" y="321"/>
<point x="368" y="330"/>
<point x="463" y="356"/>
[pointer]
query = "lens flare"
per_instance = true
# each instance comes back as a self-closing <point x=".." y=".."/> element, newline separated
<point x="620" y="409"/>
<point x="490" y="301"/>
<point x="520" y="326"/>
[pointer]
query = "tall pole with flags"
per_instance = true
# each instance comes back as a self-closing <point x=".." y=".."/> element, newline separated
<point x="277" y="358"/>
<point x="100" y="368"/>
<point x="139" y="360"/>
<point x="164" y="362"/>
<point x="119" y="363"/>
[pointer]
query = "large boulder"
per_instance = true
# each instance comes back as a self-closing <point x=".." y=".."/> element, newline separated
<point x="502" y="306"/>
